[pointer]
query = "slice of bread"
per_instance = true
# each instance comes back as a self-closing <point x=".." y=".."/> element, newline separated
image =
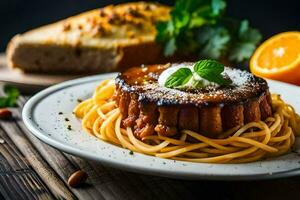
<point x="109" y="39"/>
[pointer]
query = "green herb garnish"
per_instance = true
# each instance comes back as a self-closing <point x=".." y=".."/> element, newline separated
<point x="207" y="69"/>
<point x="179" y="78"/>
<point x="10" y="98"/>
<point x="244" y="46"/>
<point x="200" y="27"/>
<point x="211" y="70"/>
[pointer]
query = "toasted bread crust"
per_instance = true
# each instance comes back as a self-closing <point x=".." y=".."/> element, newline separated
<point x="108" y="39"/>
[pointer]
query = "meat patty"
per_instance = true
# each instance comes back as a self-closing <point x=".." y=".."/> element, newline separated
<point x="148" y="107"/>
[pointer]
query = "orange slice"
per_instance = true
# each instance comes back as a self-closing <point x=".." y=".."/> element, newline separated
<point x="278" y="58"/>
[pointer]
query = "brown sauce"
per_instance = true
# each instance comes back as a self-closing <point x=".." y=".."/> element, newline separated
<point x="144" y="82"/>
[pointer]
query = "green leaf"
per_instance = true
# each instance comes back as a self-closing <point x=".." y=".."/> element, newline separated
<point x="188" y="5"/>
<point x="11" y="91"/>
<point x="244" y="46"/>
<point x="170" y="47"/>
<point x="244" y="26"/>
<point x="200" y="27"/>
<point x="179" y="78"/>
<point x="208" y="67"/>
<point x="162" y="34"/>
<point x="211" y="70"/>
<point x="248" y="34"/>
<point x="181" y="20"/>
<point x="177" y="33"/>
<point x="241" y="52"/>
<point x="3" y="102"/>
<point x="214" y="41"/>
<point x="197" y="22"/>
<point x="218" y="6"/>
<point x="11" y="97"/>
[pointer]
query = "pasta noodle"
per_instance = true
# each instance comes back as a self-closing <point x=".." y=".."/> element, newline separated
<point x="253" y="141"/>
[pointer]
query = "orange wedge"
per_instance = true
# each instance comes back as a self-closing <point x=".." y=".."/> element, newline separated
<point x="278" y="58"/>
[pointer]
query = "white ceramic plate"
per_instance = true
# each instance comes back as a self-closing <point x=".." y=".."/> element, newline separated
<point x="41" y="116"/>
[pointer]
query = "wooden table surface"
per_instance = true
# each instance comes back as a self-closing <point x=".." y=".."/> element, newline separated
<point x="30" y="169"/>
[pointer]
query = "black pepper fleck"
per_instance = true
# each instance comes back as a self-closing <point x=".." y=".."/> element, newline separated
<point x="131" y="152"/>
<point x="67" y="119"/>
<point x="69" y="127"/>
<point x="60" y="113"/>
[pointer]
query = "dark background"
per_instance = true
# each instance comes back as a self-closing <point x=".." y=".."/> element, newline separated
<point x="17" y="16"/>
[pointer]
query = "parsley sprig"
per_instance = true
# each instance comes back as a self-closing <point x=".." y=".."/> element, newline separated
<point x="210" y="70"/>
<point x="200" y="27"/>
<point x="10" y="98"/>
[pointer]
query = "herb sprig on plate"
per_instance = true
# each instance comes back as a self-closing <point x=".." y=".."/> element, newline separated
<point x="200" y="27"/>
<point x="209" y="70"/>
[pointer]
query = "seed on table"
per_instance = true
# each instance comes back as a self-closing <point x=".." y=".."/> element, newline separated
<point x="5" y="113"/>
<point x="77" y="178"/>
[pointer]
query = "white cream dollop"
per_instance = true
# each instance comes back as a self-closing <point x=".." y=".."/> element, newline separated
<point x="169" y="71"/>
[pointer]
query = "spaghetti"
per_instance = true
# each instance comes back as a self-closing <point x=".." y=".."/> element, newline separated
<point x="253" y="141"/>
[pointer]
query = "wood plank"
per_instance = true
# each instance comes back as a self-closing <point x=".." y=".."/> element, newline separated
<point x="137" y="186"/>
<point x="61" y="164"/>
<point x="41" y="167"/>
<point x="18" y="180"/>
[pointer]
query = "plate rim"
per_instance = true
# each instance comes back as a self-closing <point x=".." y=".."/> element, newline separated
<point x="42" y="135"/>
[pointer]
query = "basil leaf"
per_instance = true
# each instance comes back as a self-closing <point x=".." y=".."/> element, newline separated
<point x="211" y="70"/>
<point x="179" y="78"/>
<point x="208" y="67"/>
<point x="218" y="78"/>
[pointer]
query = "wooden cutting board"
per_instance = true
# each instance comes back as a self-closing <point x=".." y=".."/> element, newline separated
<point x="27" y="81"/>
